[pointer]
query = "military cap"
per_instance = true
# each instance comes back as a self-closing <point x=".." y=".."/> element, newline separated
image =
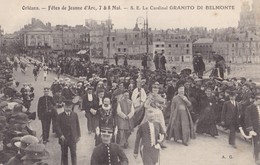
<point x="106" y="130"/>
<point x="36" y="152"/>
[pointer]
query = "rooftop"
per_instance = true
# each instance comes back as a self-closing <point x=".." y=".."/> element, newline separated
<point x="204" y="41"/>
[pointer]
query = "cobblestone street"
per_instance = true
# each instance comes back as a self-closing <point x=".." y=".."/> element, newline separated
<point x="204" y="150"/>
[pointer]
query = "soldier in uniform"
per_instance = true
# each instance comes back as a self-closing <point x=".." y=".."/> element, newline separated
<point x="45" y="111"/>
<point x="108" y="153"/>
<point x="252" y="121"/>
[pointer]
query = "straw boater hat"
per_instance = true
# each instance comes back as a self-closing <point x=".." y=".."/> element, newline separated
<point x="36" y="152"/>
<point x="19" y="118"/>
<point x="25" y="141"/>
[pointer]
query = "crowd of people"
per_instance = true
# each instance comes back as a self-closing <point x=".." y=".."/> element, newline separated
<point x="18" y="142"/>
<point x="162" y="105"/>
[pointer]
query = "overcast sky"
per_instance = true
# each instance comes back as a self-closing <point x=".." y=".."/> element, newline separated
<point x="12" y="17"/>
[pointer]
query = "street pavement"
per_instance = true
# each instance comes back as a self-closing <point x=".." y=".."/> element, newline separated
<point x="204" y="150"/>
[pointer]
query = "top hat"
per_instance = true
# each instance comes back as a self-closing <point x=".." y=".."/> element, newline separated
<point x="36" y="152"/>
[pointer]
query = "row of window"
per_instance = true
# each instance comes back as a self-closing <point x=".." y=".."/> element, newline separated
<point x="113" y="39"/>
<point x="121" y="49"/>
<point x="170" y="45"/>
<point x="73" y="46"/>
<point x="207" y="46"/>
<point x="257" y="45"/>
<point x="180" y="52"/>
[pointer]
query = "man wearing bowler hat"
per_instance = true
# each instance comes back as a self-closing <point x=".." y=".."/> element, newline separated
<point x="68" y="131"/>
<point x="231" y="111"/>
<point x="108" y="153"/>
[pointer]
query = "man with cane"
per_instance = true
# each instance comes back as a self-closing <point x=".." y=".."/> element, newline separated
<point x="68" y="131"/>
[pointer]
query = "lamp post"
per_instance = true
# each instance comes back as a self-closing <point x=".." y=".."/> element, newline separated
<point x="146" y="31"/>
<point x="1" y="44"/>
<point x="109" y="31"/>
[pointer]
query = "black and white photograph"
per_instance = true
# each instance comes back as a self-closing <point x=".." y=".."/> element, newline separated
<point x="130" y="82"/>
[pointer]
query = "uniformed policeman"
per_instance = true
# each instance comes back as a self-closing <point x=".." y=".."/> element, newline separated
<point x="108" y="153"/>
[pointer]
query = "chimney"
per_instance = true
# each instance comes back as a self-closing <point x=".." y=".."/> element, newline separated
<point x="33" y="21"/>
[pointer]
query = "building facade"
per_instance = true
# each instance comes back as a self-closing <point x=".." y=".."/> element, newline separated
<point x="178" y="51"/>
<point x="203" y="46"/>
